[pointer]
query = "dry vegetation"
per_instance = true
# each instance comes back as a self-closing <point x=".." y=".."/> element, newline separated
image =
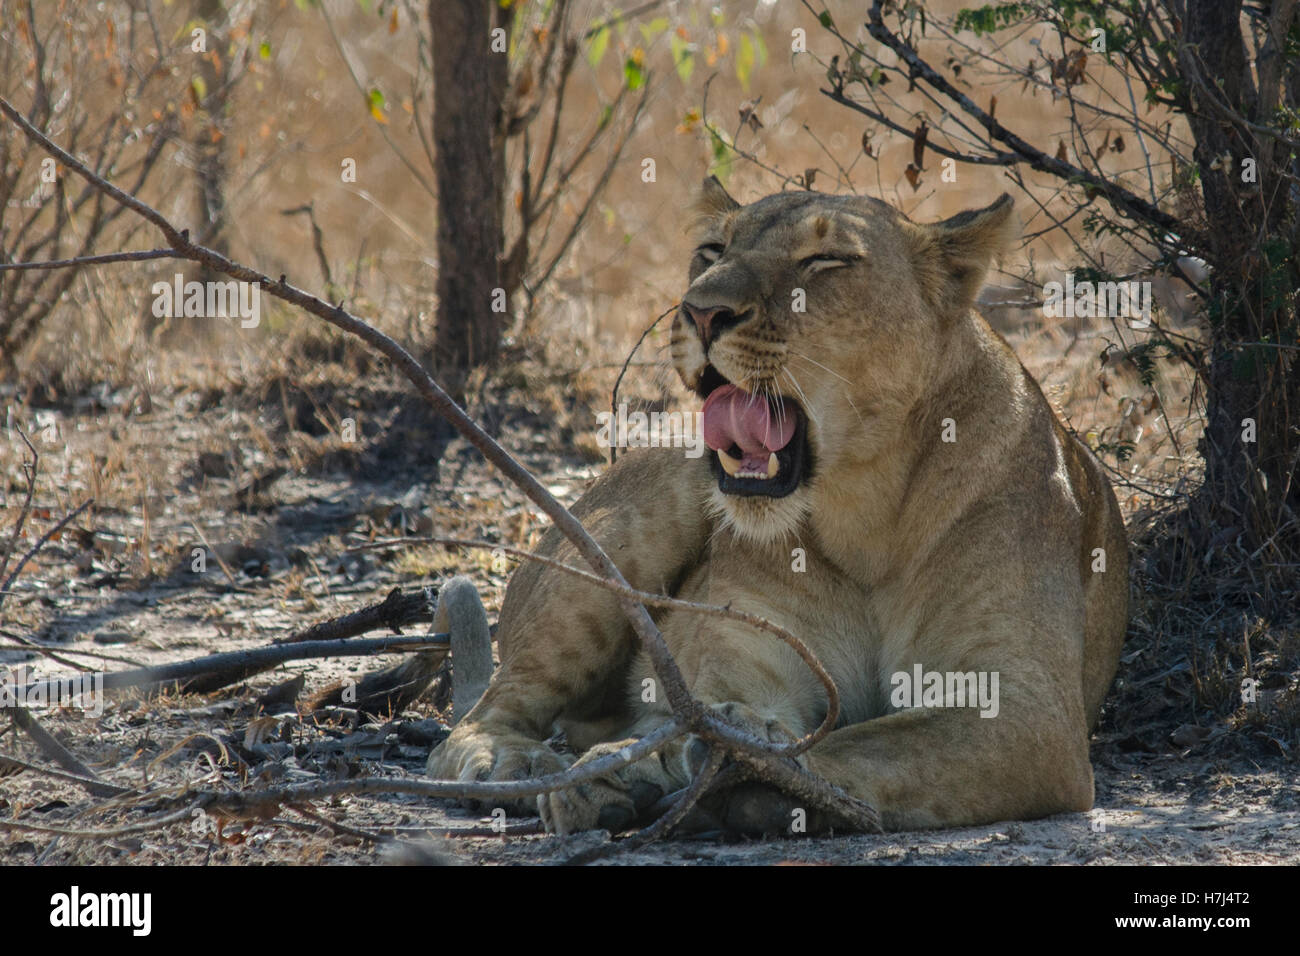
<point x="166" y="428"/>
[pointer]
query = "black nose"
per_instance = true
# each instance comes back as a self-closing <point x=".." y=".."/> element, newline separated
<point x="710" y="322"/>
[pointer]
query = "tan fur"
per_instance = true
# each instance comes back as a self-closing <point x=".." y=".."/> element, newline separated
<point x="972" y="555"/>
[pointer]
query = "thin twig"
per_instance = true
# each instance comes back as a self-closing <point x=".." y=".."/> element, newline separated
<point x="157" y="823"/>
<point x="139" y="256"/>
<point x="613" y="400"/>
<point x="30" y="471"/>
<point x="264" y="802"/>
<point x="40" y="543"/>
<point x="95" y="786"/>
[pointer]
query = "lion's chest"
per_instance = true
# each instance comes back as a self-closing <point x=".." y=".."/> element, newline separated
<point x="798" y="589"/>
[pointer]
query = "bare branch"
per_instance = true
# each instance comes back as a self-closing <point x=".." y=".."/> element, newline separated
<point x="1122" y="199"/>
<point x="613" y="399"/>
<point x="40" y="543"/>
<point x="76" y="261"/>
<point x="997" y="159"/>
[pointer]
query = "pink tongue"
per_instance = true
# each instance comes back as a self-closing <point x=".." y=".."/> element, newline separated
<point x="735" y="417"/>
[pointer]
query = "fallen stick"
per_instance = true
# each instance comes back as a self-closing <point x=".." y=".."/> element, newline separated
<point x="394" y="612"/>
<point x="186" y="674"/>
<point x="62" y="755"/>
<point x="94" y="785"/>
<point x="459" y="614"/>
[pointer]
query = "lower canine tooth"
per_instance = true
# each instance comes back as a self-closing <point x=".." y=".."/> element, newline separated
<point x="729" y="465"/>
<point x="773" y="466"/>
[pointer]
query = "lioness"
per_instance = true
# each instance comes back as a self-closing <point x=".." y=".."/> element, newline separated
<point x="887" y="482"/>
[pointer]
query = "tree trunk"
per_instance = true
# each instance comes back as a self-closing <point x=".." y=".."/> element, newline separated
<point x="206" y="147"/>
<point x="1253" y="378"/>
<point x="469" y="84"/>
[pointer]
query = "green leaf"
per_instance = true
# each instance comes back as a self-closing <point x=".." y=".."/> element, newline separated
<point x="745" y="61"/>
<point x="683" y="58"/>
<point x="825" y="18"/>
<point x="634" y="73"/>
<point x="199" y="87"/>
<point x="990" y="19"/>
<point x="377" y="104"/>
<point x="599" y="44"/>
<point x="264" y="51"/>
<point x="761" y="47"/>
<point x="652" y="29"/>
<point x="722" y="157"/>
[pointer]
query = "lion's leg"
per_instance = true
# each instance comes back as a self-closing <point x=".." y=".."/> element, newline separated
<point x="565" y="643"/>
<point x="923" y="767"/>
<point x="940" y="767"/>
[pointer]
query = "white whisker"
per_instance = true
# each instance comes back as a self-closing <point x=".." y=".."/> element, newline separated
<point x="855" y="409"/>
<point x="807" y="406"/>
<point x="821" y="366"/>
<point x="774" y="398"/>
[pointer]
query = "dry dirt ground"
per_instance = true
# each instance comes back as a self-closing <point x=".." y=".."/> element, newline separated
<point x="118" y="590"/>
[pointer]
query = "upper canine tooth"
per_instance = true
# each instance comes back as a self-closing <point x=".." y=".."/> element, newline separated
<point x="773" y="466"/>
<point x="729" y="465"/>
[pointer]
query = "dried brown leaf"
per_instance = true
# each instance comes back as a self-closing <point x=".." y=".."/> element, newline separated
<point x="918" y="147"/>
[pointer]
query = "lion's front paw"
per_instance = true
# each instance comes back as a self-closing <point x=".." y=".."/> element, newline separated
<point x="476" y="753"/>
<point x="750" y="807"/>
<point x="747" y="719"/>
<point x="612" y="801"/>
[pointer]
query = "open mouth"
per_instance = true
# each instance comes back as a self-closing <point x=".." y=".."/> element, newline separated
<point x="760" y="446"/>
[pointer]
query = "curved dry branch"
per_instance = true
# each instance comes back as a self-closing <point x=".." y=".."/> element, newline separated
<point x="690" y="714"/>
<point x="650" y="599"/>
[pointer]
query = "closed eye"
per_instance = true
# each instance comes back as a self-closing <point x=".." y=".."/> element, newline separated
<point x="823" y="261"/>
<point x="710" y="252"/>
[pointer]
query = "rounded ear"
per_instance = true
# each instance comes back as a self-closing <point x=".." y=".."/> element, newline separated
<point x="712" y="201"/>
<point x="952" y="257"/>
